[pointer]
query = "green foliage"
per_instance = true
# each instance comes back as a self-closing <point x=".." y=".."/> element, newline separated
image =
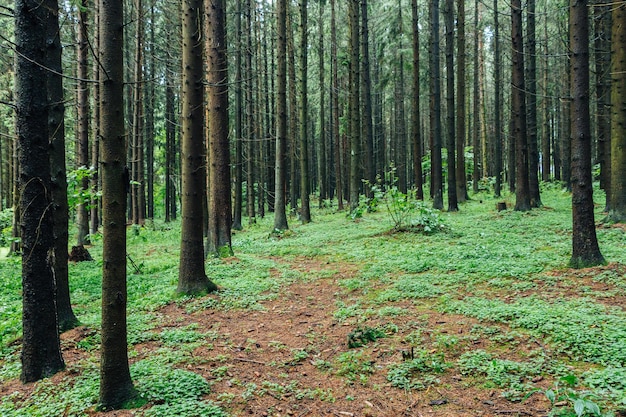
<point x="354" y="366"/>
<point x="417" y="373"/>
<point x="578" y="403"/>
<point x="6" y="219"/>
<point x="159" y="383"/>
<point x="76" y="195"/>
<point x="361" y="336"/>
<point x="188" y="408"/>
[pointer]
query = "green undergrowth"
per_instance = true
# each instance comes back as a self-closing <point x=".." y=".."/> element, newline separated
<point x="495" y="273"/>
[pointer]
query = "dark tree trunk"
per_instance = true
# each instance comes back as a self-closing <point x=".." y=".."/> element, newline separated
<point x="149" y="134"/>
<point x="94" y="217"/>
<point x="415" y="107"/>
<point x="435" y="108"/>
<point x="602" y="42"/>
<point x="116" y="386"/>
<point x="41" y="350"/>
<point x="170" y="148"/>
<point x="292" y="137"/>
<point x="585" y="249"/>
<point x="498" y="103"/>
<point x="545" y="130"/>
<point x="461" y="178"/>
<point x="617" y="209"/>
<point x="58" y="177"/>
<point x="354" y="107"/>
<point x="531" y="111"/>
<point x="366" y="91"/>
<point x="238" y="202"/>
<point x="219" y="154"/>
<point x="335" y="108"/>
<point x="82" y="98"/>
<point x="280" y="213"/>
<point x="450" y="121"/>
<point x="566" y="135"/>
<point x="305" y="211"/>
<point x="476" y="107"/>
<point x="137" y="148"/>
<point x="518" y="107"/>
<point x="191" y="276"/>
<point x="322" y="174"/>
<point x="250" y="123"/>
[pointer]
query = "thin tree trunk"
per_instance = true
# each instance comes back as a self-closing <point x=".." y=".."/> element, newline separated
<point x="82" y="99"/>
<point x="149" y="133"/>
<point x="305" y="211"/>
<point x="617" y="209"/>
<point x="585" y="249"/>
<point x="435" y="108"/>
<point x="238" y="168"/>
<point x="322" y="174"/>
<point x="450" y="120"/>
<point x="58" y="177"/>
<point x="415" y="107"/>
<point x="518" y="106"/>
<point x="531" y="98"/>
<point x="498" y="103"/>
<point x="250" y="125"/>
<point x="366" y="91"/>
<point x="116" y="386"/>
<point x="461" y="178"/>
<point x="220" y="217"/>
<point x="602" y="17"/>
<point x="95" y="141"/>
<point x="545" y="130"/>
<point x="191" y="275"/>
<point x="280" y="214"/>
<point x="476" y="107"/>
<point x="354" y="107"/>
<point x="335" y="108"/>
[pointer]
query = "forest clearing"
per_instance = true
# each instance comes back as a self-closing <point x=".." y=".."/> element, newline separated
<point x="342" y="317"/>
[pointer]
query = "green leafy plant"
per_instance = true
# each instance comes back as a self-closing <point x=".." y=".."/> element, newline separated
<point x="354" y="366"/>
<point x="417" y="373"/>
<point x="361" y="336"/>
<point x="566" y="401"/>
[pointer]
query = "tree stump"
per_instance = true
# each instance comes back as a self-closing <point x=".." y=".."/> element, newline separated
<point x="79" y="254"/>
<point x="501" y="205"/>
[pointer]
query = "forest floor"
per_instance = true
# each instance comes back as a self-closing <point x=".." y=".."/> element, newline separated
<point x="356" y="321"/>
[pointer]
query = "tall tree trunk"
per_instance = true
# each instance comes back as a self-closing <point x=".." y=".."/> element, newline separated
<point x="191" y="275"/>
<point x="416" y="129"/>
<point x="498" y="102"/>
<point x="17" y="211"/>
<point x="531" y="111"/>
<point x="435" y="108"/>
<point x="400" y="148"/>
<point x="250" y="124"/>
<point x="545" y="130"/>
<point x="238" y="201"/>
<point x="170" y="137"/>
<point x="41" y="349"/>
<point x="461" y="178"/>
<point x="58" y="176"/>
<point x="305" y="211"/>
<point x="518" y="107"/>
<point x="366" y="91"/>
<point x="355" y="122"/>
<point x="82" y="99"/>
<point x="335" y="108"/>
<point x="450" y="120"/>
<point x="617" y="207"/>
<point x="566" y="135"/>
<point x="220" y="217"/>
<point x="280" y="213"/>
<point x="476" y="106"/>
<point x="149" y="134"/>
<point x="585" y="249"/>
<point x="602" y="42"/>
<point x="138" y="121"/>
<point x="322" y="174"/>
<point x="293" y="143"/>
<point x="116" y="386"/>
<point x="96" y="202"/>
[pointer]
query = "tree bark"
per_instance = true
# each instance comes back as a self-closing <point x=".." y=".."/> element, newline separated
<point x="435" y="108"/>
<point x="617" y="209"/>
<point x="191" y="275"/>
<point x="58" y="175"/>
<point x="305" y="210"/>
<point x="416" y="129"/>
<point x="497" y="103"/>
<point x="335" y="108"/>
<point x="450" y="120"/>
<point x="585" y="249"/>
<point x="41" y="350"/>
<point x="518" y="106"/>
<point x="220" y="217"/>
<point x="354" y="107"/>
<point x="238" y="168"/>
<point x="476" y="107"/>
<point x="461" y="178"/>
<point x="116" y="386"/>
<point x="531" y="111"/>
<point x="366" y="91"/>
<point x="280" y="213"/>
<point x="322" y="174"/>
<point x="602" y="43"/>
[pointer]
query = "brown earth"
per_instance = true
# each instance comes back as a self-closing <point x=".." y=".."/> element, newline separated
<point x="260" y="347"/>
